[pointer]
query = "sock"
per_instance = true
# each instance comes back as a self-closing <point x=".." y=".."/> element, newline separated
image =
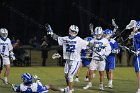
<point x="101" y="84"/>
<point x="110" y="82"/>
<point x="5" y="79"/>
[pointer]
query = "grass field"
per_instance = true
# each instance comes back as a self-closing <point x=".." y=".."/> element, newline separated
<point x="124" y="79"/>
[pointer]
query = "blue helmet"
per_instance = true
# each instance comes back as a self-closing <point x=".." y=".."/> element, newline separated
<point x="26" y="77"/>
<point x="88" y="39"/>
<point x="108" y="31"/>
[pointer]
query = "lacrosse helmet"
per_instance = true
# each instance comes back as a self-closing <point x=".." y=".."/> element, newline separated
<point x="4" y="33"/>
<point x="27" y="78"/>
<point x="98" y="32"/>
<point x="88" y="39"/>
<point x="73" y="30"/>
<point x="108" y="33"/>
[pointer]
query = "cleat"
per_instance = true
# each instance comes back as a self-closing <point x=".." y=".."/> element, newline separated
<point x="86" y="79"/>
<point x="101" y="87"/>
<point x="87" y="86"/>
<point x="66" y="90"/>
<point x="109" y="86"/>
<point x="76" y="80"/>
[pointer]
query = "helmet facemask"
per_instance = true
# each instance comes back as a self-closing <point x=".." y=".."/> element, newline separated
<point x="73" y="30"/>
<point x="4" y="33"/>
<point x="98" y="32"/>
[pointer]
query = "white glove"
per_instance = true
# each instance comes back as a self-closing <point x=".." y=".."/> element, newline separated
<point x="12" y="56"/>
<point x="103" y="57"/>
<point x="137" y="53"/>
<point x="49" y="29"/>
<point x="36" y="77"/>
<point x="115" y="51"/>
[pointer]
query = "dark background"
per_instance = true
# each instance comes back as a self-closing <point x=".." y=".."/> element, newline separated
<point x="26" y="18"/>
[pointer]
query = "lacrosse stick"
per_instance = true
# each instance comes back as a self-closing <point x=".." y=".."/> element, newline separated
<point x="129" y="26"/>
<point x="127" y="49"/>
<point x="7" y="82"/>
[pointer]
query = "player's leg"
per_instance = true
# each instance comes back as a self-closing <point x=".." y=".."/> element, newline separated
<point x="136" y="64"/>
<point x="110" y="66"/>
<point x="73" y="69"/>
<point x="86" y="63"/>
<point x="92" y="67"/>
<point x="101" y="69"/>
<point x="66" y="70"/>
<point x="77" y="73"/>
<point x="6" y="62"/>
<point x="6" y="74"/>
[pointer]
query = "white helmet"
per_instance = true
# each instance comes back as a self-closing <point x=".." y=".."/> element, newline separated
<point x="4" y="32"/>
<point x="73" y="30"/>
<point x="98" y="32"/>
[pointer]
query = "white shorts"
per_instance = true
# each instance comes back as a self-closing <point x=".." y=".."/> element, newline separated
<point x="6" y="61"/>
<point x="71" y="67"/>
<point x="97" y="65"/>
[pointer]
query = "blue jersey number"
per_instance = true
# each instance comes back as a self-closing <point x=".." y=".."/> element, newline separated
<point x="3" y="48"/>
<point x="70" y="48"/>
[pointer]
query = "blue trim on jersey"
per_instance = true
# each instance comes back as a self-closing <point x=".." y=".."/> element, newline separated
<point x="110" y="63"/>
<point x="4" y="39"/>
<point x="75" y="67"/>
<point x="137" y="63"/>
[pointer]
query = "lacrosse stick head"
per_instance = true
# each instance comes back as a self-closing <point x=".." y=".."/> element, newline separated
<point x="132" y="24"/>
<point x="56" y="55"/>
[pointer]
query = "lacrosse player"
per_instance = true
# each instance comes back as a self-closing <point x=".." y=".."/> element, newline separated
<point x="28" y="86"/>
<point x="136" y="43"/>
<point x="85" y="60"/>
<point x="101" y="49"/>
<point x="110" y="61"/>
<point x="72" y="46"/>
<point x="6" y="51"/>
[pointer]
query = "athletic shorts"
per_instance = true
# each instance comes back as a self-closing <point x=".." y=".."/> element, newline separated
<point x="110" y="63"/>
<point x="97" y="65"/>
<point x="71" y="67"/>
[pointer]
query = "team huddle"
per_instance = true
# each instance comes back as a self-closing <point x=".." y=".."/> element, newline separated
<point x="101" y="48"/>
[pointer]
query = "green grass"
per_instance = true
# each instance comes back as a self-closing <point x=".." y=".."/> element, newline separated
<point x="125" y="80"/>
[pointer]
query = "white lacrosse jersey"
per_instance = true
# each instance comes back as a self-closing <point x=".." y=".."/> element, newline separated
<point x="5" y="46"/>
<point x="72" y="47"/>
<point x="100" y="47"/>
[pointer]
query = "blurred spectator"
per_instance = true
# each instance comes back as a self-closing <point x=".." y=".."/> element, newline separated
<point x="44" y="50"/>
<point x="61" y="61"/>
<point x="34" y="42"/>
<point x="119" y="55"/>
<point x="129" y="44"/>
<point x="20" y="54"/>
